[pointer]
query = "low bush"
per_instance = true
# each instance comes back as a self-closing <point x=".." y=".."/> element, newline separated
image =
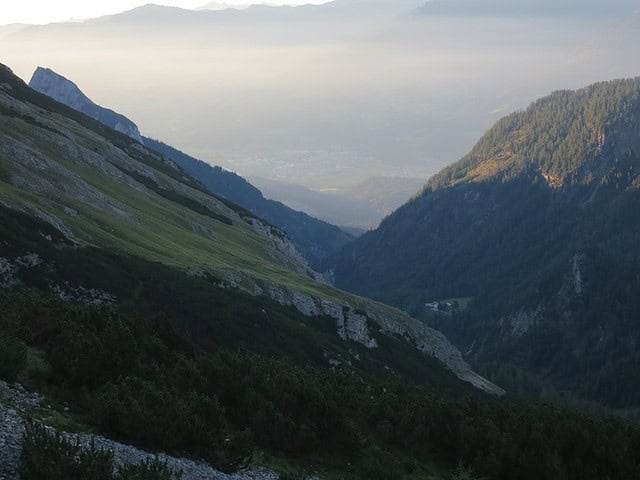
<point x="147" y="470"/>
<point x="47" y="455"/>
<point x="13" y="357"/>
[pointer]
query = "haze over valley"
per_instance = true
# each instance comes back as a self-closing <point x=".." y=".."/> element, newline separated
<point x="346" y="240"/>
<point x="326" y="96"/>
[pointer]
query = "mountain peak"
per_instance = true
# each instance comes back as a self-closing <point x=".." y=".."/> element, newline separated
<point x="45" y="80"/>
<point x="54" y="85"/>
<point x="568" y="137"/>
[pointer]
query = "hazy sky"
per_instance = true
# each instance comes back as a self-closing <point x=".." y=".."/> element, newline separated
<point x="47" y="11"/>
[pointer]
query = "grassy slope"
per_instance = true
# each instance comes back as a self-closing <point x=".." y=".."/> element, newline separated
<point x="314" y="238"/>
<point x="80" y="166"/>
<point x="160" y="233"/>
<point x="214" y="317"/>
<point x="162" y="229"/>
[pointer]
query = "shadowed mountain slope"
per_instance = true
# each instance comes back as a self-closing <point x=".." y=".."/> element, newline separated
<point x="535" y="232"/>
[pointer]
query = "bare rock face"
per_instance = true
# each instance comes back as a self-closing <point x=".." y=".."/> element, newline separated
<point x="349" y="324"/>
<point x="355" y="319"/>
<point x="9" y="267"/>
<point x="59" y="88"/>
<point x="284" y="248"/>
<point x="523" y="321"/>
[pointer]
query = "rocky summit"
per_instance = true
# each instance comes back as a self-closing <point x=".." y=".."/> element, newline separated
<point x="54" y="85"/>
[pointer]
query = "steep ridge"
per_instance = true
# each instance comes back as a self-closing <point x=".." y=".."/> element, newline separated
<point x="315" y="239"/>
<point x="48" y="82"/>
<point x="103" y="190"/>
<point x="534" y="236"/>
<point x="336" y="11"/>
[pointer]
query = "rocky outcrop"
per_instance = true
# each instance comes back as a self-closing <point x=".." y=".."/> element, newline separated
<point x="9" y="268"/>
<point x="89" y="296"/>
<point x="356" y="319"/>
<point x="349" y="324"/>
<point x="521" y="322"/>
<point x="284" y="248"/>
<point x="574" y="282"/>
<point x="56" y="86"/>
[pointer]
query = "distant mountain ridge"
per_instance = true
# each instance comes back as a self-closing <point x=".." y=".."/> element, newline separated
<point x="360" y="206"/>
<point x="336" y="10"/>
<point x="314" y="238"/>
<point x="528" y="7"/>
<point x="224" y="6"/>
<point x="536" y="231"/>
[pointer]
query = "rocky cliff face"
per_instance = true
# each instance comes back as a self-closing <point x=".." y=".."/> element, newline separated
<point x="358" y="319"/>
<point x="56" y="86"/>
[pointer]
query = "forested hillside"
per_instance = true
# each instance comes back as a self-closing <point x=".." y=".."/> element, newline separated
<point x="535" y="232"/>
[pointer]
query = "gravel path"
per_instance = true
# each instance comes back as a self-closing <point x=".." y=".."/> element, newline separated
<point x="14" y="398"/>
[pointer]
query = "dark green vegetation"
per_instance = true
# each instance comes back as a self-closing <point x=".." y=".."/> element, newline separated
<point x="13" y="356"/>
<point x="140" y="380"/>
<point x="48" y="456"/>
<point x="215" y="317"/>
<point x="182" y="367"/>
<point x="539" y="224"/>
<point x="314" y="238"/>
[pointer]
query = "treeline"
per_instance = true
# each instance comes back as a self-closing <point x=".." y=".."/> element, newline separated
<point x="140" y="380"/>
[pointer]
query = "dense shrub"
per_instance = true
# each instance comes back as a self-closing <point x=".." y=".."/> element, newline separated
<point x="147" y="470"/>
<point x="13" y="357"/>
<point x="377" y="464"/>
<point x="153" y="414"/>
<point x="47" y="455"/>
<point x="162" y="393"/>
